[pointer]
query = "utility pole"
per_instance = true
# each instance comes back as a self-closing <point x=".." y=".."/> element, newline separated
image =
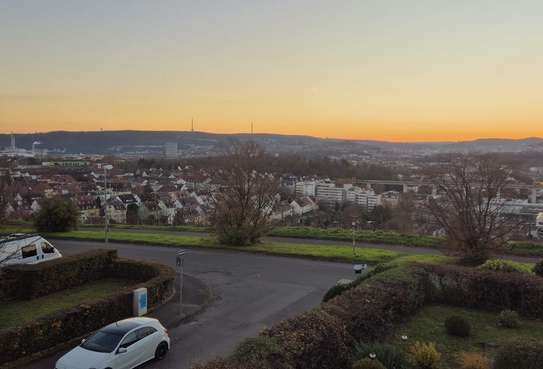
<point x="179" y="268"/>
<point x="106" y="210"/>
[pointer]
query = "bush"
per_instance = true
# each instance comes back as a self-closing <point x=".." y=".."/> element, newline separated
<point x="538" y="268"/>
<point x="223" y="364"/>
<point x="474" y="360"/>
<point x="370" y="310"/>
<point x="313" y="340"/>
<point x="335" y="290"/>
<point x="56" y="215"/>
<point x="505" y="266"/>
<point x="368" y="364"/>
<point x="509" y="319"/>
<point x="484" y="289"/>
<point x="520" y="354"/>
<point x="424" y="355"/>
<point x="390" y="356"/>
<point x="457" y="326"/>
<point x="261" y="352"/>
<point x="27" y="282"/>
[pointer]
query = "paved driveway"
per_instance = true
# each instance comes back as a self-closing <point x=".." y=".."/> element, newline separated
<point x="252" y="293"/>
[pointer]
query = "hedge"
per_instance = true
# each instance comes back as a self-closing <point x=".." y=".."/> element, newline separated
<point x="486" y="289"/>
<point x="313" y="340"/>
<point x="371" y="310"/>
<point x="55" y="329"/>
<point x="26" y="282"/>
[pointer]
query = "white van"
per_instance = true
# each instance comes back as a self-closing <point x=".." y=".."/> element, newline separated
<point x="19" y="248"/>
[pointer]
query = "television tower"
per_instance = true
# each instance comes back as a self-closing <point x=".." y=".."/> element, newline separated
<point x="192" y="125"/>
<point x="252" y="128"/>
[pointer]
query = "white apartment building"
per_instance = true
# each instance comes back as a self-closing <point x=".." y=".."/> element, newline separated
<point x="365" y="198"/>
<point x="328" y="193"/>
<point x="306" y="188"/>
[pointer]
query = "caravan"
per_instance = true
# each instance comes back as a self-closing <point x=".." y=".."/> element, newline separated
<point x="21" y="248"/>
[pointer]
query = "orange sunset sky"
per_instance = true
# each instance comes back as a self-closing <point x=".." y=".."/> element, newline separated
<point x="388" y="70"/>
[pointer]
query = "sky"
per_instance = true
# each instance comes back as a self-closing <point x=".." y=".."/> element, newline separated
<point x="391" y="70"/>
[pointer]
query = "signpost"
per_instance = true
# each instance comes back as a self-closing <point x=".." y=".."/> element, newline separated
<point x="179" y="264"/>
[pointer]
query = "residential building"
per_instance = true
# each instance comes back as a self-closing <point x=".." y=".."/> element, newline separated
<point x="306" y="188"/>
<point x="328" y="193"/>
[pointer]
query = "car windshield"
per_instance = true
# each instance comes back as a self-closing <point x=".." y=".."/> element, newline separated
<point x="102" y="341"/>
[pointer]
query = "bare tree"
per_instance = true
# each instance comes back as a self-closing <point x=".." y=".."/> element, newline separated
<point x="245" y="195"/>
<point x="469" y="209"/>
<point x="5" y="182"/>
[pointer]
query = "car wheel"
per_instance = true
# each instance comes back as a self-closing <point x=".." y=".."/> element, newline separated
<point x="161" y="351"/>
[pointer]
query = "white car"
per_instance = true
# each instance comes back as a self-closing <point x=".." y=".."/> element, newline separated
<point x="122" y="345"/>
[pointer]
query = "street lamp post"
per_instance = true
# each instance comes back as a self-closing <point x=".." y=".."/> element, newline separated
<point x="106" y="210"/>
<point x="179" y="268"/>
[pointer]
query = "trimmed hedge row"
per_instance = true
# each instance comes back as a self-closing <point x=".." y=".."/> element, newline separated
<point x="55" y="329"/>
<point x="26" y="282"/>
<point x="486" y="289"/>
<point x="371" y="310"/>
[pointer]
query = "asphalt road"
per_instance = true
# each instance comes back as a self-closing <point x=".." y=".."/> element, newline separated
<point x="252" y="292"/>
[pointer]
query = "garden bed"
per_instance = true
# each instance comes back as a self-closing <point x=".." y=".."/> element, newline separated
<point x="16" y="313"/>
<point x="486" y="334"/>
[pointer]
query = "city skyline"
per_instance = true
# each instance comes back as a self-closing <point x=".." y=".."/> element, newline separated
<point x="416" y="72"/>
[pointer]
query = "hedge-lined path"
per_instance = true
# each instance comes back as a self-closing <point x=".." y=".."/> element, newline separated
<point x="252" y="292"/>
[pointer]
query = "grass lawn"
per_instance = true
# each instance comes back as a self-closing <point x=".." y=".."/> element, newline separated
<point x="337" y="253"/>
<point x="428" y="326"/>
<point x="369" y="236"/>
<point x="20" y="312"/>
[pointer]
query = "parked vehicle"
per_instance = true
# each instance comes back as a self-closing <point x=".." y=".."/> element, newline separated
<point x="539" y="225"/>
<point x="122" y="345"/>
<point x="20" y="248"/>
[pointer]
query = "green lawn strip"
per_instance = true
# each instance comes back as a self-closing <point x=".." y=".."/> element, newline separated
<point x="20" y="312"/>
<point x="428" y="326"/>
<point x="525" y="249"/>
<point x="177" y="228"/>
<point x="339" y="234"/>
<point x="332" y="253"/>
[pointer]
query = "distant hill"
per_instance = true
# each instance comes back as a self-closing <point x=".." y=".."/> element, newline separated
<point x="202" y="143"/>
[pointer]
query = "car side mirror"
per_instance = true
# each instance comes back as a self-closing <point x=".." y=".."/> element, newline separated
<point x="121" y="350"/>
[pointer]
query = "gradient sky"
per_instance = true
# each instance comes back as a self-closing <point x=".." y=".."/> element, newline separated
<point x="395" y="70"/>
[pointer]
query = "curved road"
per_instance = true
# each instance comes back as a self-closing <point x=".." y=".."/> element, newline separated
<point x="252" y="293"/>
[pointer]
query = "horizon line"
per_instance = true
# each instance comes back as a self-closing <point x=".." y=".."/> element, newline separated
<point x="488" y="138"/>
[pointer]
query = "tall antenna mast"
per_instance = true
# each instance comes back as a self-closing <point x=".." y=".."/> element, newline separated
<point x="192" y="125"/>
<point x="252" y="127"/>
